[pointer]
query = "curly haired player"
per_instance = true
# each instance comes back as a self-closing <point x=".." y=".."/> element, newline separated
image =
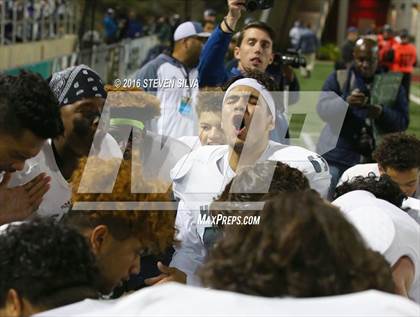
<point x="119" y="235"/>
<point x="281" y="256"/>
<point x="398" y="155"/>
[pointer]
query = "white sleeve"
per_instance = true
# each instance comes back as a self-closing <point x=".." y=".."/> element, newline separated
<point x="312" y="165"/>
<point x="345" y="177"/>
<point x="189" y="251"/>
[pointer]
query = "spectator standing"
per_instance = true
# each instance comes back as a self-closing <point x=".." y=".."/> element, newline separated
<point x="348" y="46"/>
<point x="111" y="27"/>
<point x="356" y="138"/>
<point x="308" y="45"/>
<point x="163" y="29"/>
<point x="253" y="51"/>
<point x="178" y="115"/>
<point x="295" y="33"/>
<point x="386" y="41"/>
<point x="134" y="27"/>
<point x="209" y="20"/>
<point x="405" y="55"/>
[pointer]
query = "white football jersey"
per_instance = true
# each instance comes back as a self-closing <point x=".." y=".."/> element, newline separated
<point x="412" y="207"/>
<point x="385" y="228"/>
<point x="174" y="299"/>
<point x="193" y="142"/>
<point x="201" y="176"/>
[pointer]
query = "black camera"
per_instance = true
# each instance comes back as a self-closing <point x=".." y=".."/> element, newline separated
<point x="291" y="58"/>
<point x="254" y="5"/>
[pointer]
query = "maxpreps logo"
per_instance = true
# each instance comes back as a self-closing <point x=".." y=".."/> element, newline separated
<point x="226" y="220"/>
<point x="307" y="122"/>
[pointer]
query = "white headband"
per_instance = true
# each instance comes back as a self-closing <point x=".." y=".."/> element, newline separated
<point x="251" y="82"/>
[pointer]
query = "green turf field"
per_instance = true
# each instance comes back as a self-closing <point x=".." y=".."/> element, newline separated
<point x="323" y="69"/>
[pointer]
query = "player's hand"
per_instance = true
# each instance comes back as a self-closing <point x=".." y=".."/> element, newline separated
<point x="19" y="202"/>
<point x="169" y="274"/>
<point x="357" y="99"/>
<point x="374" y="111"/>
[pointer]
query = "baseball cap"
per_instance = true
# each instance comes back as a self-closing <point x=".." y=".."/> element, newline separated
<point x="210" y="13"/>
<point x="188" y="29"/>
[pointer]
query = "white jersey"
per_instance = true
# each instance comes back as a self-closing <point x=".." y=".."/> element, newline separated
<point x="385" y="228"/>
<point x="56" y="201"/>
<point x="193" y="142"/>
<point x="412" y="207"/>
<point x="4" y="227"/>
<point x="364" y="170"/>
<point x="173" y="299"/>
<point x="202" y="175"/>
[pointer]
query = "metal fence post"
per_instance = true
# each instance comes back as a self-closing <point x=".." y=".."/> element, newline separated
<point x="51" y="19"/>
<point x="14" y="19"/>
<point x="24" y="22"/>
<point x="2" y="22"/>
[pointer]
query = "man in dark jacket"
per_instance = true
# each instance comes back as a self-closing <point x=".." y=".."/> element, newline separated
<point x="254" y="51"/>
<point x="348" y="47"/>
<point x="356" y="137"/>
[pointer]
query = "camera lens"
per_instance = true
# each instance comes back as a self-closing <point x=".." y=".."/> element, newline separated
<point x="252" y="5"/>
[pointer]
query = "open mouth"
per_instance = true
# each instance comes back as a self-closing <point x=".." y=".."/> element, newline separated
<point x="239" y="124"/>
<point x="256" y="61"/>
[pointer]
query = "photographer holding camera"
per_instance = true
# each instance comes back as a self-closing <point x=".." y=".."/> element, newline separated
<point x="254" y="51"/>
<point x="356" y="140"/>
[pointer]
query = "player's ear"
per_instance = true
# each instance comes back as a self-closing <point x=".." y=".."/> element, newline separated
<point x="381" y="169"/>
<point x="270" y="61"/>
<point x="271" y="124"/>
<point x="236" y="52"/>
<point x="98" y="238"/>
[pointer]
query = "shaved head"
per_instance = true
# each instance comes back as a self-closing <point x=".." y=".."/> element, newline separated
<point x="366" y="57"/>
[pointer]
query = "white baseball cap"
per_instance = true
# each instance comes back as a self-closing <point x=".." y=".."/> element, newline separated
<point x="188" y="29"/>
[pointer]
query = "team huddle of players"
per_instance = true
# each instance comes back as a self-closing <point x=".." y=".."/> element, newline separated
<point x="95" y="200"/>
